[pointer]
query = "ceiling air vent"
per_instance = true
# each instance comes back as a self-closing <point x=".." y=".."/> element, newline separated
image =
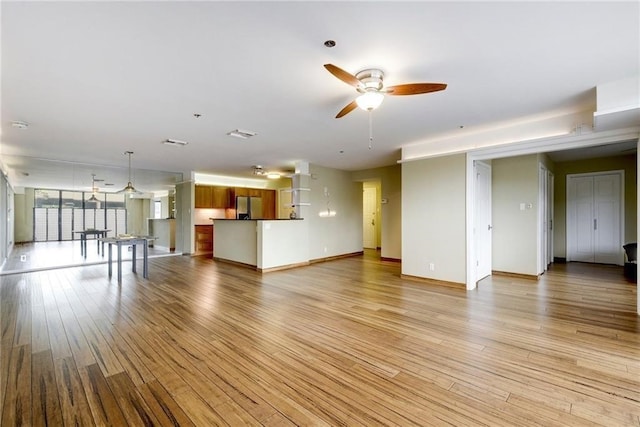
<point x="242" y="134"/>
<point x="174" y="142"/>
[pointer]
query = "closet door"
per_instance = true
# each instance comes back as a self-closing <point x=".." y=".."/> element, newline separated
<point x="594" y="218"/>
<point x="607" y="235"/>
<point x="583" y="217"/>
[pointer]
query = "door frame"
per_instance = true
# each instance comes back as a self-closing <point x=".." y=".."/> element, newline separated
<point x="545" y="218"/>
<point x="486" y="245"/>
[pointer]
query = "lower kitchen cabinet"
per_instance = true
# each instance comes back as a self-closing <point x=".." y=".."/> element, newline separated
<point x="204" y="240"/>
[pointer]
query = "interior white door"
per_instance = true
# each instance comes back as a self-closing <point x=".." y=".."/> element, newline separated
<point x="369" y="219"/>
<point x="594" y="218"/>
<point x="607" y="226"/>
<point x="483" y="220"/>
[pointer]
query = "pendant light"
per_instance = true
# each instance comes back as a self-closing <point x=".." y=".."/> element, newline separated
<point x="129" y="189"/>
<point x="94" y="189"/>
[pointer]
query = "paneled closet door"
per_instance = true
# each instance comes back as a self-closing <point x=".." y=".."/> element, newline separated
<point x="594" y="226"/>
<point x="607" y="235"/>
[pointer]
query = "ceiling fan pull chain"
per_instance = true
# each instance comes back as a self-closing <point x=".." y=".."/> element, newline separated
<point x="370" y="129"/>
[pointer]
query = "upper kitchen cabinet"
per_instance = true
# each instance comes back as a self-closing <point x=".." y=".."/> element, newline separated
<point x="203" y="196"/>
<point x="221" y="198"/>
<point x="212" y="197"/>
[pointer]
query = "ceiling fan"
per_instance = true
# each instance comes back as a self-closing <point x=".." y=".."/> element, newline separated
<point x="369" y="83"/>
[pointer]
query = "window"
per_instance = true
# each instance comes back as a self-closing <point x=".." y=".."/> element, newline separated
<point x="58" y="213"/>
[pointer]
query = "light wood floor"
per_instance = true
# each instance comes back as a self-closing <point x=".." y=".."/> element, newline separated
<point x="345" y="342"/>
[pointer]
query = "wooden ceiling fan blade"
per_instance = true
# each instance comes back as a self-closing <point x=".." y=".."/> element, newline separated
<point x="346" y="110"/>
<point x="346" y="77"/>
<point x="415" y="88"/>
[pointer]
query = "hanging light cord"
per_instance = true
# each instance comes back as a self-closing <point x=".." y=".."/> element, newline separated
<point x="370" y="129"/>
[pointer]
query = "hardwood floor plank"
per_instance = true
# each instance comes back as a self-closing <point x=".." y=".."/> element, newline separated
<point x="133" y="406"/>
<point x="166" y="410"/>
<point x="57" y="336"/>
<point x="103" y="404"/>
<point x="16" y="410"/>
<point x="45" y="404"/>
<point x="39" y="331"/>
<point x="73" y="400"/>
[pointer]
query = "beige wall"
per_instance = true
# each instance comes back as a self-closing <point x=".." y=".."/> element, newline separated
<point x="337" y="235"/>
<point x="184" y="217"/>
<point x="137" y="215"/>
<point x="23" y="224"/>
<point x="562" y="169"/>
<point x="390" y="179"/>
<point x="433" y="218"/>
<point x="514" y="234"/>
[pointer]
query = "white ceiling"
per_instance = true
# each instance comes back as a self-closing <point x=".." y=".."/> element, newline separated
<point x="95" y="79"/>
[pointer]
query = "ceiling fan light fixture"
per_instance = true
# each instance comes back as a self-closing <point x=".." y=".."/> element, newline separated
<point x="370" y="100"/>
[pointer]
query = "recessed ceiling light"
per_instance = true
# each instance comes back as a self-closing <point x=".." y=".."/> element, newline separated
<point x="273" y="175"/>
<point x="174" y="142"/>
<point x="19" y="124"/>
<point x="242" y="134"/>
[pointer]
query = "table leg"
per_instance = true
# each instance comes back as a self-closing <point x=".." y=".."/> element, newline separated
<point x="98" y="242"/>
<point x="110" y="271"/>
<point x="119" y="262"/>
<point x="145" y="257"/>
<point x="83" y="245"/>
<point x="133" y="256"/>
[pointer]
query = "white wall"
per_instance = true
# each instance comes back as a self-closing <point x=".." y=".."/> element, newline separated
<point x="236" y="241"/>
<point x="433" y="218"/>
<point x="341" y="234"/>
<point x="282" y="243"/>
<point x="515" y="240"/>
<point x="391" y="212"/>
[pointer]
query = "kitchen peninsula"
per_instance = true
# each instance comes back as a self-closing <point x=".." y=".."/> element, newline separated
<point x="266" y="245"/>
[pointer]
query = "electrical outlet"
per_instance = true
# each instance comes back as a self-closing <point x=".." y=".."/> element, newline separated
<point x="432" y="266"/>
<point x="23" y="258"/>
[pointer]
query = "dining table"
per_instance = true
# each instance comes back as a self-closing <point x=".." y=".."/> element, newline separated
<point x="128" y="240"/>
<point x="98" y="232"/>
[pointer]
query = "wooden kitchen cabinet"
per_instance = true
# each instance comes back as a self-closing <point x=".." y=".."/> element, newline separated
<point x="268" y="204"/>
<point x="203" y="196"/>
<point x="203" y="239"/>
<point x="221" y="198"/>
<point x="213" y="197"/>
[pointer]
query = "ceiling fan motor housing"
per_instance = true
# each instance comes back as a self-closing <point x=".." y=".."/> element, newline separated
<point x="371" y="80"/>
